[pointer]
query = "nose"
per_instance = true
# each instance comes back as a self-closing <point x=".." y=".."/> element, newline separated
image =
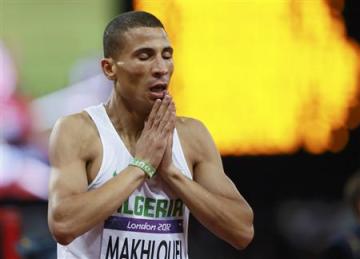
<point x="160" y="68"/>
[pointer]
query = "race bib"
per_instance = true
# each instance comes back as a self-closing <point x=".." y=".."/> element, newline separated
<point x="145" y="228"/>
<point x="133" y="238"/>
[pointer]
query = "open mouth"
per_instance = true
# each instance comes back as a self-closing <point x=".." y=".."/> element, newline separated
<point x="158" y="88"/>
<point x="158" y="91"/>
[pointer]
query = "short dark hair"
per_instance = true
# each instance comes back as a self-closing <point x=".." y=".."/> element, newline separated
<point x="112" y="38"/>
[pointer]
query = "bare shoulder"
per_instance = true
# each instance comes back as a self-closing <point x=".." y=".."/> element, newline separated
<point x="192" y="128"/>
<point x="194" y="136"/>
<point x="71" y="137"/>
<point x="75" y="127"/>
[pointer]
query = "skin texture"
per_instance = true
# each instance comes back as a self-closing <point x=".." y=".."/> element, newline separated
<point x="146" y="126"/>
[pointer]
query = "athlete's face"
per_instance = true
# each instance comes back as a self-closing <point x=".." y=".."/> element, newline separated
<point x="144" y="66"/>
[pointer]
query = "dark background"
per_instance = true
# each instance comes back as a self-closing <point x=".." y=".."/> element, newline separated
<point x="268" y="182"/>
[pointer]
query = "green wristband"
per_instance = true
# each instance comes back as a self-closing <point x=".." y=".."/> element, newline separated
<point x="146" y="167"/>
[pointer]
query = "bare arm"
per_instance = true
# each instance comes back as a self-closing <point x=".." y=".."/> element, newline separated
<point x="212" y="198"/>
<point x="73" y="210"/>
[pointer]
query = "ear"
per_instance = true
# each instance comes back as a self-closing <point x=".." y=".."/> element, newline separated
<point x="109" y="68"/>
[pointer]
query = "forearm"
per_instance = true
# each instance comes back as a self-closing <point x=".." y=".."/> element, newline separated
<point x="229" y="219"/>
<point x="76" y="214"/>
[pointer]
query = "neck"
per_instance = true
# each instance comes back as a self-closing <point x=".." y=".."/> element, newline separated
<point x="128" y="121"/>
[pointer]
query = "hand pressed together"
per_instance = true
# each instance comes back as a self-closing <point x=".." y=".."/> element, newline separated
<point x="166" y="165"/>
<point x="156" y="138"/>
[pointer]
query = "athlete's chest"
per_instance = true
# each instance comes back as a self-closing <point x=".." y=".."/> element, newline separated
<point x="95" y="154"/>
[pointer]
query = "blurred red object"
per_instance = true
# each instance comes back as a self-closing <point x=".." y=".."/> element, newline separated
<point x="10" y="230"/>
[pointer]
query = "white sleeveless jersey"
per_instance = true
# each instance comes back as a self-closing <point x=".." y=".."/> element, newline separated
<point x="152" y="223"/>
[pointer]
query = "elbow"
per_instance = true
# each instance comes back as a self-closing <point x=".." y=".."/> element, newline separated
<point x="244" y="239"/>
<point x="61" y="233"/>
<point x="246" y="234"/>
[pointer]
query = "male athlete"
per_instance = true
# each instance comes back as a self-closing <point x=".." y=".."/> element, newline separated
<point x="125" y="174"/>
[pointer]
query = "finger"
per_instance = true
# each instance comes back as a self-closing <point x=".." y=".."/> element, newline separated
<point x="170" y="139"/>
<point x="168" y="150"/>
<point x="162" y="110"/>
<point x="167" y="130"/>
<point x="153" y="112"/>
<point x="173" y="122"/>
<point x="167" y="118"/>
<point x="169" y="143"/>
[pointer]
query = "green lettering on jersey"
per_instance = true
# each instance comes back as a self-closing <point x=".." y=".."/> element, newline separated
<point x="149" y="207"/>
<point x="178" y="208"/>
<point x="139" y="205"/>
<point x="126" y="209"/>
<point x="161" y="207"/>
<point x="154" y="208"/>
<point x="170" y="208"/>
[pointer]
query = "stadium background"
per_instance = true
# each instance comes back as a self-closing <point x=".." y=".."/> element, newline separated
<point x="296" y="197"/>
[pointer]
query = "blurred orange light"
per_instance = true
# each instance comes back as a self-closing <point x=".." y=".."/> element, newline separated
<point x="264" y="76"/>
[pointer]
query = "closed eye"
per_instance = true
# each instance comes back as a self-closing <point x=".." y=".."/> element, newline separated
<point x="143" y="56"/>
<point x="167" y="53"/>
<point x="144" y="53"/>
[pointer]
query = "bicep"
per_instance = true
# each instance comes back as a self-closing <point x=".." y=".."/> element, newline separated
<point x="208" y="168"/>
<point x="68" y="172"/>
<point x="67" y="180"/>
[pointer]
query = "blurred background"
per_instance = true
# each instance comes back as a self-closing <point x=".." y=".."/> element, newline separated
<point x="276" y="82"/>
